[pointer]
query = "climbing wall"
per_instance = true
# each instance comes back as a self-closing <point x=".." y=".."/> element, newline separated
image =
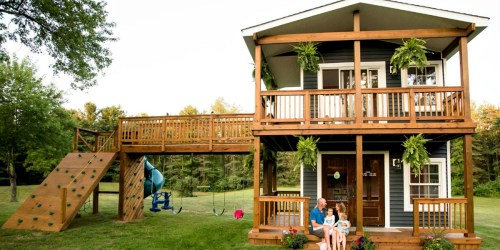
<point x="133" y="189"/>
<point x="54" y="204"/>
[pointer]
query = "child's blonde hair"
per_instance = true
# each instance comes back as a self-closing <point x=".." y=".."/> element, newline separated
<point x="343" y="216"/>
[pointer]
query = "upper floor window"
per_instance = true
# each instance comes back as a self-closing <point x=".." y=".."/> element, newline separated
<point x="431" y="75"/>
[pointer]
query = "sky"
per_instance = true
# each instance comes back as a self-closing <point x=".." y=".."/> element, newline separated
<point x="171" y="54"/>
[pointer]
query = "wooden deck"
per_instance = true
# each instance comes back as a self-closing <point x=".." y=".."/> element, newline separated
<point x="384" y="238"/>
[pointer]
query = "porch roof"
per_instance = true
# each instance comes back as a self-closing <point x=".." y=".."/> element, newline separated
<point x="375" y="15"/>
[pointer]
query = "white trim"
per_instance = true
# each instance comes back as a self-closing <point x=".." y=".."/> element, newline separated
<point x="387" y="204"/>
<point x="379" y="65"/>
<point x="407" y="207"/>
<point x="478" y="20"/>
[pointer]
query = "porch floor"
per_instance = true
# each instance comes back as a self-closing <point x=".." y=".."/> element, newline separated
<point x="385" y="238"/>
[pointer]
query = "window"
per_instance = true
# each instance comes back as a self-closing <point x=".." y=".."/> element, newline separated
<point x="430" y="75"/>
<point x="431" y="183"/>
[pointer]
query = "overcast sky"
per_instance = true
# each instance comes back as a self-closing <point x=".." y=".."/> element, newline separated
<point x="177" y="53"/>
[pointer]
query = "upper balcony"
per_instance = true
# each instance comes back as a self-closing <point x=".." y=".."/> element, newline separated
<point x="380" y="111"/>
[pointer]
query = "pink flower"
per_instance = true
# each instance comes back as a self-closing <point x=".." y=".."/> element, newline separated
<point x="438" y="239"/>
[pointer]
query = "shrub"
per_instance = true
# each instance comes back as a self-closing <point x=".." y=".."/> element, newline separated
<point x="488" y="189"/>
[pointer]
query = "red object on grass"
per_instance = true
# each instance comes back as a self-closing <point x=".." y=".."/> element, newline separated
<point x="238" y="214"/>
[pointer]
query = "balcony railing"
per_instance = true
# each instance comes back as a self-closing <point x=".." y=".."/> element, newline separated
<point x="447" y="215"/>
<point x="283" y="212"/>
<point x="384" y="105"/>
<point x="193" y="129"/>
<point x="93" y="141"/>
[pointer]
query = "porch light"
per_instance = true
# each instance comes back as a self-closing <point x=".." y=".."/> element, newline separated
<point x="397" y="163"/>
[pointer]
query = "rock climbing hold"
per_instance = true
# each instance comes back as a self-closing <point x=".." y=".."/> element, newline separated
<point x="50" y="224"/>
<point x="83" y="187"/>
<point x="58" y="186"/>
<point x="39" y="204"/>
<point x="93" y="170"/>
<point x="92" y="176"/>
<point x="74" y="180"/>
<point x="73" y="189"/>
<point x="68" y="205"/>
<point x="19" y="220"/>
<point x="72" y="176"/>
<point x="57" y="169"/>
<point x="78" y="195"/>
<point x="100" y="159"/>
<point x="83" y="172"/>
<point x="65" y="171"/>
<point x="32" y="196"/>
<point x="79" y="155"/>
<point x="51" y="213"/>
<point x="35" y="218"/>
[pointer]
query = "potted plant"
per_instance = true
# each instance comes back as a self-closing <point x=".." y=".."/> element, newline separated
<point x="363" y="242"/>
<point x="292" y="239"/>
<point x="307" y="152"/>
<point x="308" y="56"/>
<point x="266" y="76"/>
<point x="415" y="153"/>
<point x="437" y="241"/>
<point x="412" y="52"/>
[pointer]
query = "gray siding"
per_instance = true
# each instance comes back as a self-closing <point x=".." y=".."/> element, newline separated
<point x="310" y="187"/>
<point x="399" y="218"/>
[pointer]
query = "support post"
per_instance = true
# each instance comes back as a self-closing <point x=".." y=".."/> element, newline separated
<point x="256" y="184"/>
<point x="464" y="77"/>
<point x="258" y="73"/>
<point x="359" y="185"/>
<point x="95" y="200"/>
<point x="358" y="106"/>
<point x="469" y="192"/>
<point x="63" y="204"/>
<point x="121" y="196"/>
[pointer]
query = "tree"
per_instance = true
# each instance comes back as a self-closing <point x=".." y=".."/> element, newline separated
<point x="220" y="106"/>
<point x="189" y="110"/>
<point x="34" y="124"/>
<point x="73" y="33"/>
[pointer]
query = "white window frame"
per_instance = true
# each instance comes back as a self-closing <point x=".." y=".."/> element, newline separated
<point x="439" y="76"/>
<point x="380" y="66"/>
<point x="408" y="207"/>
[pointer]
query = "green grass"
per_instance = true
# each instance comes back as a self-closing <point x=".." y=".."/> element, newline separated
<point x="487" y="221"/>
<point x="194" y="228"/>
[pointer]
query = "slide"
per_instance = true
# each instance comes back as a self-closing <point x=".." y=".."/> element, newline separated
<point x="154" y="179"/>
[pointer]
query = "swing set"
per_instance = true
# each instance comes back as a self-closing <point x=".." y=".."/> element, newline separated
<point x="168" y="196"/>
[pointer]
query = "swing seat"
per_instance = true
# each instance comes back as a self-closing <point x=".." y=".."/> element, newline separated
<point x="238" y="214"/>
<point x="215" y="212"/>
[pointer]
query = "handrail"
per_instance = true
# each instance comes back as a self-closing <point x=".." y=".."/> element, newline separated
<point x="210" y="130"/>
<point x="337" y="106"/>
<point x="447" y="215"/>
<point x="283" y="212"/>
<point x="101" y="141"/>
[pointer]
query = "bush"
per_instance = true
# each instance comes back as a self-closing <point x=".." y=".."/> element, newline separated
<point x="488" y="189"/>
<point x="457" y="186"/>
<point x="363" y="242"/>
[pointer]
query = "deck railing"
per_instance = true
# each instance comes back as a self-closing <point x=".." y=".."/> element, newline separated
<point x="193" y="129"/>
<point x="447" y="215"/>
<point x="283" y="212"/>
<point x="379" y="105"/>
<point x="93" y="141"/>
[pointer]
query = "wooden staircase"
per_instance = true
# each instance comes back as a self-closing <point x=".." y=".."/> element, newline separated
<point x="54" y="204"/>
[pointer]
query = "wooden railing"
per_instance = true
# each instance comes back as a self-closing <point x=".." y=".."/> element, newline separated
<point x="193" y="129"/>
<point x="294" y="213"/>
<point x="94" y="141"/>
<point x="447" y="215"/>
<point x="379" y="105"/>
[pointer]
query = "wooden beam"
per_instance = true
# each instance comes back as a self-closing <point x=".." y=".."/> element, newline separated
<point x="447" y="51"/>
<point x="256" y="184"/>
<point x="363" y="35"/>
<point x="464" y="76"/>
<point x="95" y="200"/>
<point x="469" y="190"/>
<point x="124" y="161"/>
<point x="359" y="185"/>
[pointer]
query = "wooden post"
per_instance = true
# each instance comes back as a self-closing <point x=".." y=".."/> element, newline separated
<point x="256" y="184"/>
<point x="258" y="99"/>
<point x="63" y="204"/>
<point x="274" y="185"/>
<point x="121" y="196"/>
<point x="411" y="107"/>
<point x="359" y="185"/>
<point x="464" y="77"/>
<point x="468" y="181"/>
<point x="75" y="140"/>
<point x="307" y="106"/>
<point x="95" y="200"/>
<point x="358" y="106"/>
<point x="416" y="225"/>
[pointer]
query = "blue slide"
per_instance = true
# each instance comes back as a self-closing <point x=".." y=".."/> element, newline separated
<point x="154" y="179"/>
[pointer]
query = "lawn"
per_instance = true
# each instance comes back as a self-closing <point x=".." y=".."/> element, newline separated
<point x="194" y="228"/>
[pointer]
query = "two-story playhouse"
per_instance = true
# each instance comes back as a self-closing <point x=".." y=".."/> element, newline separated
<point x="362" y="113"/>
<point x="358" y="109"/>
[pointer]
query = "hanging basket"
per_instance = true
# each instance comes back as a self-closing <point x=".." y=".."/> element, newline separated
<point x="412" y="52"/>
<point x="307" y="152"/>
<point x="308" y="56"/>
<point x="415" y="153"/>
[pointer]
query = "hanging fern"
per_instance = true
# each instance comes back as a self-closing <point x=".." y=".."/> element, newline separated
<point x="307" y="152"/>
<point x="266" y="76"/>
<point x="415" y="153"/>
<point x="412" y="52"/>
<point x="308" y="56"/>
